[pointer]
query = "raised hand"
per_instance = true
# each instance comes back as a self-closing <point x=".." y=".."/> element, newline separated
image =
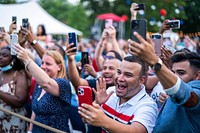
<point x="101" y="95"/>
<point x="69" y="51"/>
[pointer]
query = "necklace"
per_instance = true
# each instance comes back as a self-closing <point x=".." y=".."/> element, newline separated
<point x="118" y="109"/>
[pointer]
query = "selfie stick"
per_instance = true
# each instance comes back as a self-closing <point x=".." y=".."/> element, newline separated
<point x="32" y="121"/>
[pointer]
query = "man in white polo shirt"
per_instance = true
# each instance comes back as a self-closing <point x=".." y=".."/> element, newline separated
<point x="129" y="108"/>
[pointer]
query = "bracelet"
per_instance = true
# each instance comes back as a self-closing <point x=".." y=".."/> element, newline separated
<point x="27" y="64"/>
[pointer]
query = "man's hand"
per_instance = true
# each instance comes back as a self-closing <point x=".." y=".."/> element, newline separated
<point x="101" y="95"/>
<point x="164" y="27"/>
<point x="92" y="115"/>
<point x="133" y="11"/>
<point x="145" y="49"/>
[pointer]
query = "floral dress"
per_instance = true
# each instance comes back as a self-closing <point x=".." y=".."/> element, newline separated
<point x="8" y="122"/>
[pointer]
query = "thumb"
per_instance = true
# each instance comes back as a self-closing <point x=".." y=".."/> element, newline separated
<point x="96" y="105"/>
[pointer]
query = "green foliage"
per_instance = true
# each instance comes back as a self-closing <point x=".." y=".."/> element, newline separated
<point x="7" y="1"/>
<point x="71" y="15"/>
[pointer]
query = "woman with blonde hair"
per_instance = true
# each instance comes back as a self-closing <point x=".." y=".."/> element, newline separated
<point x="52" y="94"/>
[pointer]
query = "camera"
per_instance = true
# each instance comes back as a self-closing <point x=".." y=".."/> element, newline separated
<point x="25" y="23"/>
<point x="174" y="24"/>
<point x="140" y="7"/>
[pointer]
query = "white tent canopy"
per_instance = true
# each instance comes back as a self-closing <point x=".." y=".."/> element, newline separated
<point x="36" y="15"/>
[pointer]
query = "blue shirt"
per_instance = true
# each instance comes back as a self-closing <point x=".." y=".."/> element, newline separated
<point x="174" y="117"/>
<point x="51" y="110"/>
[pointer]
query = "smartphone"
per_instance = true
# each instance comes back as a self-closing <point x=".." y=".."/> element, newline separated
<point x="174" y="24"/>
<point x="84" y="95"/>
<point x="72" y="38"/>
<point x="14" y="19"/>
<point x="2" y="29"/>
<point x="108" y="23"/>
<point x="157" y="40"/>
<point x="25" y="23"/>
<point x="84" y="59"/>
<point x="13" y="39"/>
<point x="140" y="6"/>
<point x="140" y="27"/>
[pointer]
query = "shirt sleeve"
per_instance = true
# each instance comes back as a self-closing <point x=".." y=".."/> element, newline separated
<point x="65" y="89"/>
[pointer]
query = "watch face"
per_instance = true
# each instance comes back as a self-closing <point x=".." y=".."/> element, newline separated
<point x="157" y="67"/>
<point x="34" y="41"/>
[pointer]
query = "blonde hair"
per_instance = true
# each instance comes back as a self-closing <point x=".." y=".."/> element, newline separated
<point x="59" y="61"/>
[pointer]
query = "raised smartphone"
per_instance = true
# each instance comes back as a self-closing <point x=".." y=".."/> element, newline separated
<point x="2" y="29"/>
<point x="138" y="26"/>
<point x="13" y="40"/>
<point x="108" y="23"/>
<point x="14" y="19"/>
<point x="25" y="23"/>
<point x="157" y="40"/>
<point x="140" y="6"/>
<point x="84" y="59"/>
<point x="174" y="24"/>
<point x="72" y="38"/>
<point x="84" y="95"/>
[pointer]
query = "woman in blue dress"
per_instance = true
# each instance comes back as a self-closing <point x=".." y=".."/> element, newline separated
<point x="52" y="95"/>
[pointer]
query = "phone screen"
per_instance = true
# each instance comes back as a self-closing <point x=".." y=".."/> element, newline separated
<point x="25" y="23"/>
<point x="157" y="40"/>
<point x="72" y="38"/>
<point x="14" y="19"/>
<point x="140" y="27"/>
<point x="84" y="59"/>
<point x="108" y="23"/>
<point x="174" y="24"/>
<point x="84" y="95"/>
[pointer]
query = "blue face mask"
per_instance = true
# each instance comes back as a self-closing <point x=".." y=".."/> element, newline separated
<point x="6" y="68"/>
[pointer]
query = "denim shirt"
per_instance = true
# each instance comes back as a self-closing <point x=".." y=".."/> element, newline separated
<point x="174" y="117"/>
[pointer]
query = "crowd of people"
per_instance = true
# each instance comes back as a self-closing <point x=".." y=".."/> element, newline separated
<point x="134" y="90"/>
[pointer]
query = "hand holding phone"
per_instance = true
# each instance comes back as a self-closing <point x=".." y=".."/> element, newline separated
<point x="157" y="40"/>
<point x="84" y="95"/>
<point x="72" y="38"/>
<point x="138" y="26"/>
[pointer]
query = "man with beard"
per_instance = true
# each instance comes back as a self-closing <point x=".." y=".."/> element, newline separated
<point x="127" y="110"/>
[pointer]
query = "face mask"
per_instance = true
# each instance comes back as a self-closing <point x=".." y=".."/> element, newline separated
<point x="6" y="68"/>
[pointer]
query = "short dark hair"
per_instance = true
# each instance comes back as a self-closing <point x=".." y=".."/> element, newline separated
<point x="186" y="55"/>
<point x="135" y="59"/>
<point x="117" y="55"/>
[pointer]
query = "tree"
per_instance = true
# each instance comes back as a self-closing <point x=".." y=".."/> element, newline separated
<point x="62" y="10"/>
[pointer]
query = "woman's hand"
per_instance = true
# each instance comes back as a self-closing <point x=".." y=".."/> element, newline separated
<point x="21" y="54"/>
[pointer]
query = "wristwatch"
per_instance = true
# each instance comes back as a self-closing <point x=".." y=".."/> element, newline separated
<point x="34" y="42"/>
<point x="156" y="67"/>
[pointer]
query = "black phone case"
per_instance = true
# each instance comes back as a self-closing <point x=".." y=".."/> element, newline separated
<point x="72" y="39"/>
<point x="138" y="26"/>
<point x="84" y="59"/>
